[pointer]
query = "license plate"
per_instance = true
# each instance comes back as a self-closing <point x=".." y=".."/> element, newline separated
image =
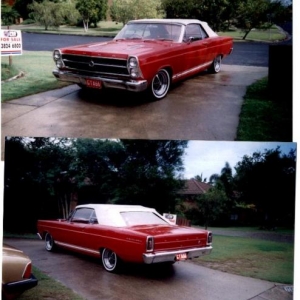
<point x="181" y="256"/>
<point x="96" y="84"/>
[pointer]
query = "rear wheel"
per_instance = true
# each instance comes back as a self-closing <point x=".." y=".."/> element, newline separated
<point x="110" y="260"/>
<point x="216" y="65"/>
<point x="50" y="244"/>
<point x="160" y="84"/>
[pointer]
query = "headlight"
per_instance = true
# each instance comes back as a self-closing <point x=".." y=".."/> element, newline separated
<point x="133" y="67"/>
<point x="58" y="59"/>
<point x="133" y="63"/>
<point x="59" y="64"/>
<point x="134" y="73"/>
<point x="56" y="55"/>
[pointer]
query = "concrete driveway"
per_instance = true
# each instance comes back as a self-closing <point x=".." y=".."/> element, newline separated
<point x="184" y="280"/>
<point x="205" y="107"/>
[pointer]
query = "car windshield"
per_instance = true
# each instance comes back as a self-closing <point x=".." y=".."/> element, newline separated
<point x="156" y="31"/>
<point x="133" y="218"/>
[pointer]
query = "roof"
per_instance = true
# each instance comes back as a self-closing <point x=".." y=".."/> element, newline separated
<point x="184" y="22"/>
<point x="116" y="207"/>
<point x="109" y="214"/>
<point x="178" y="21"/>
<point x="195" y="187"/>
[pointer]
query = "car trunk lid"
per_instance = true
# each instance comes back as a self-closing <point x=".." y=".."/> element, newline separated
<point x="168" y="237"/>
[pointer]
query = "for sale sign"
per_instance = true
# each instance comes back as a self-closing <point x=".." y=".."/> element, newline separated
<point x="11" y="42"/>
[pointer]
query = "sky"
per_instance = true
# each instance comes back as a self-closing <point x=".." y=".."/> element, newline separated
<point x="209" y="157"/>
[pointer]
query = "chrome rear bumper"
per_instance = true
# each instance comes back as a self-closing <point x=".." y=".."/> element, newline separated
<point x="130" y="85"/>
<point x="158" y="257"/>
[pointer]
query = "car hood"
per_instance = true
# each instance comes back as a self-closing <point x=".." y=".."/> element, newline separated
<point x="119" y="48"/>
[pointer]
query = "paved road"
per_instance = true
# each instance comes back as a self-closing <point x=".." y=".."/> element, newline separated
<point x="205" y="107"/>
<point x="244" y="53"/>
<point x="184" y="280"/>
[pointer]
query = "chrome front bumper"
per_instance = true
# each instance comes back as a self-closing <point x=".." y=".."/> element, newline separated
<point x="158" y="257"/>
<point x="130" y="85"/>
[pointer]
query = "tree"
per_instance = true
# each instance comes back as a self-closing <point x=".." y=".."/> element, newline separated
<point x="91" y="11"/>
<point x="22" y="7"/>
<point x="267" y="180"/>
<point x="200" y="178"/>
<point x="252" y="14"/>
<point x="49" y="176"/>
<point x="70" y="13"/>
<point x="182" y="8"/>
<point x="215" y="12"/>
<point x="150" y="173"/>
<point x="212" y="205"/>
<point x="125" y="10"/>
<point x="47" y="13"/>
<point x="8" y="14"/>
<point x="225" y="179"/>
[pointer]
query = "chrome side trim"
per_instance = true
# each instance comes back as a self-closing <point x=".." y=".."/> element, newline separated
<point x="77" y="248"/>
<point x="193" y="70"/>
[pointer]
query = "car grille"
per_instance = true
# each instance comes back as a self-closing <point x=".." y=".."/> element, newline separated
<point x="96" y="65"/>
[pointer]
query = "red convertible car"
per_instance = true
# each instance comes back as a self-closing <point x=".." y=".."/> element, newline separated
<point x="147" y="54"/>
<point x="124" y="233"/>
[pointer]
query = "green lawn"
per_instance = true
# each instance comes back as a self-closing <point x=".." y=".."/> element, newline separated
<point x="263" y="119"/>
<point x="37" y="67"/>
<point x="257" y="258"/>
<point x="268" y="35"/>
<point x="105" y="28"/>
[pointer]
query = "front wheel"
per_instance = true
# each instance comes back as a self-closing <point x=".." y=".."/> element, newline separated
<point x="160" y="84"/>
<point x="216" y="65"/>
<point x="50" y="245"/>
<point x="110" y="260"/>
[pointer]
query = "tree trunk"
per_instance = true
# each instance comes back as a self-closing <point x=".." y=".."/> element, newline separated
<point x="246" y="33"/>
<point x="86" y="25"/>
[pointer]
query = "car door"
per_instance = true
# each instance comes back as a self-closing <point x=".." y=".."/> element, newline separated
<point x="196" y="46"/>
<point x="75" y="233"/>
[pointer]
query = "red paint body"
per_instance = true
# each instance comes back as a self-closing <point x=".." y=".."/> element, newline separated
<point x="128" y="242"/>
<point x="182" y="57"/>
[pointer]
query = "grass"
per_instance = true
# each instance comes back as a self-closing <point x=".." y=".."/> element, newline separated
<point x="105" y="28"/>
<point x="269" y="35"/>
<point x="37" y="66"/>
<point x="8" y="71"/>
<point x="280" y="230"/>
<point x="261" y="118"/>
<point x="266" y="260"/>
<point x="49" y="289"/>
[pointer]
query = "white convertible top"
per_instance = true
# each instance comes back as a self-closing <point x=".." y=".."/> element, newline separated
<point x="110" y="214"/>
<point x="184" y="22"/>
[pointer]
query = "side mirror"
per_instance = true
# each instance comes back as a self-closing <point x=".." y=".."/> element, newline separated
<point x="189" y="39"/>
<point x="93" y="221"/>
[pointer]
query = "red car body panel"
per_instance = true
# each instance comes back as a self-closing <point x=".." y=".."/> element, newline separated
<point x="128" y="242"/>
<point x="181" y="57"/>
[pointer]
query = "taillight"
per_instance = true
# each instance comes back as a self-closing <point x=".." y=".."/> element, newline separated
<point x="27" y="271"/>
<point x="149" y="243"/>
<point x="209" y="238"/>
